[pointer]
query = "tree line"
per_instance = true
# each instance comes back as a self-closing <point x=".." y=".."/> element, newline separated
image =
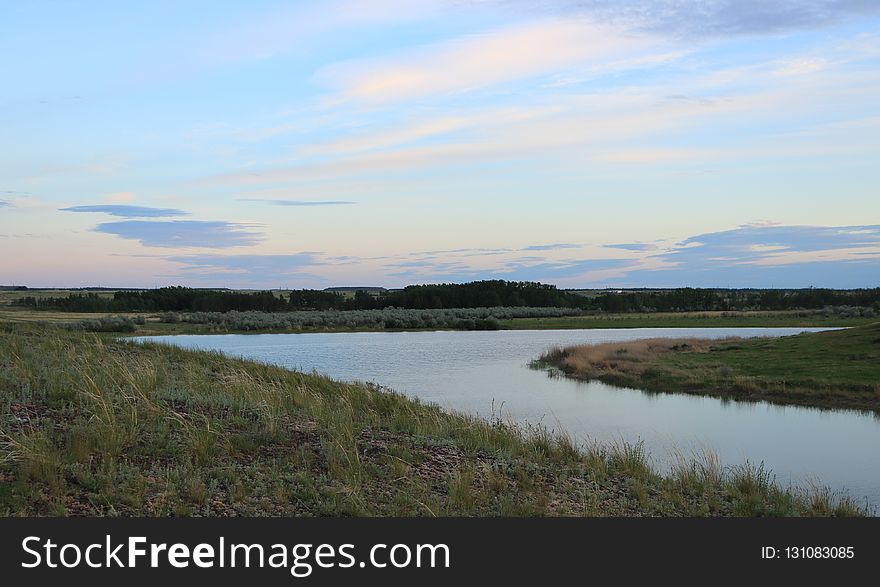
<point x="725" y="300"/>
<point x="478" y="294"/>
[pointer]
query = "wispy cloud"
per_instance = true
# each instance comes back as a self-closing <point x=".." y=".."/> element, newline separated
<point x="478" y="61"/>
<point x="641" y="247"/>
<point x="767" y="256"/>
<point x="256" y="267"/>
<point x="759" y="255"/>
<point x="516" y="269"/>
<point x="295" y="203"/>
<point x="527" y="126"/>
<point x="745" y="243"/>
<point x="426" y="127"/>
<point x="126" y="211"/>
<point x="265" y="34"/>
<point x="713" y="18"/>
<point x="602" y="126"/>
<point x="552" y="247"/>
<point x="467" y="251"/>
<point x="183" y="233"/>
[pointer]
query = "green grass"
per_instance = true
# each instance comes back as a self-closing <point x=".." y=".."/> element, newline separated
<point x="686" y="320"/>
<point x="834" y="369"/>
<point x="94" y="426"/>
<point x="804" y="318"/>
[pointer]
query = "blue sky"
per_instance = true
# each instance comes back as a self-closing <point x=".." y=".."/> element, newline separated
<point x="308" y="144"/>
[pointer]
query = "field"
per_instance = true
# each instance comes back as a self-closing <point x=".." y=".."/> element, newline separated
<point x="210" y="322"/>
<point x="96" y="426"/>
<point x="794" y="318"/>
<point x="8" y="297"/>
<point x="835" y="369"/>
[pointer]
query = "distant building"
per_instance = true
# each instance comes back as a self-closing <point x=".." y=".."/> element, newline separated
<point x="351" y="290"/>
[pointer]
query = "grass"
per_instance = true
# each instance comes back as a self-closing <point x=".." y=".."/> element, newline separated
<point x="9" y="297"/>
<point x="834" y="369"/>
<point x="799" y="318"/>
<point x="94" y="426"/>
<point x="153" y="326"/>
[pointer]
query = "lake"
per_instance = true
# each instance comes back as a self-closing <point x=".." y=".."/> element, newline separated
<point x="487" y="373"/>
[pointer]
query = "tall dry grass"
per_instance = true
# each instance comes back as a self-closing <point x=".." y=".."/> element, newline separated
<point x="621" y="358"/>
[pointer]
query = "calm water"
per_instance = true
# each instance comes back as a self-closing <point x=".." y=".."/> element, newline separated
<point x="479" y="372"/>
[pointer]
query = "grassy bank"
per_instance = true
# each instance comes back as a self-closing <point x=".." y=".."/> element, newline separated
<point x="835" y="369"/>
<point x="153" y="324"/>
<point x="94" y="426"/>
<point x="801" y="318"/>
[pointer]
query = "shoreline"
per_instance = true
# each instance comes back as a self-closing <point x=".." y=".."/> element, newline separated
<point x="790" y="370"/>
<point x="196" y="433"/>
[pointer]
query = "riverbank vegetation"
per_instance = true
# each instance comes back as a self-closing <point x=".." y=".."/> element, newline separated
<point x="833" y="369"/>
<point x="480" y="305"/>
<point x="400" y="319"/>
<point x="387" y="319"/>
<point x="829" y="317"/>
<point x="94" y="426"/>
<point x="477" y="294"/>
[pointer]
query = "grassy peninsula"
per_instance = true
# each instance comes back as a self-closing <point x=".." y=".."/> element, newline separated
<point x="96" y="426"/>
<point x="833" y="369"/>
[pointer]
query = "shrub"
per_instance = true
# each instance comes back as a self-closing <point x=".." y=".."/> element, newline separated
<point x="105" y="324"/>
<point x="388" y="318"/>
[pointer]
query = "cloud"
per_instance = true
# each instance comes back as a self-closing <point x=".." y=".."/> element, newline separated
<point x="760" y="223"/>
<point x="422" y="128"/>
<point x="763" y="255"/>
<point x="254" y="35"/>
<point x="300" y="202"/>
<point x="746" y="256"/>
<point x="183" y="233"/>
<point x="552" y="247"/>
<point x="742" y="241"/>
<point x="767" y="256"/>
<point x="253" y="268"/>
<point x="639" y="247"/>
<point x="4" y="203"/>
<point x="467" y="252"/>
<point x="544" y="274"/>
<point x="714" y="18"/>
<point x="515" y="269"/>
<point x="478" y="61"/>
<point x="128" y="211"/>
<point x="552" y="271"/>
<point x="596" y="124"/>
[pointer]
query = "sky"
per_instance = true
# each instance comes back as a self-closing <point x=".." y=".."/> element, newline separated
<point x="583" y="143"/>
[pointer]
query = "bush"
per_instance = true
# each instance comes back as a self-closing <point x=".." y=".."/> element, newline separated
<point x="105" y="324"/>
<point x="388" y="318"/>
